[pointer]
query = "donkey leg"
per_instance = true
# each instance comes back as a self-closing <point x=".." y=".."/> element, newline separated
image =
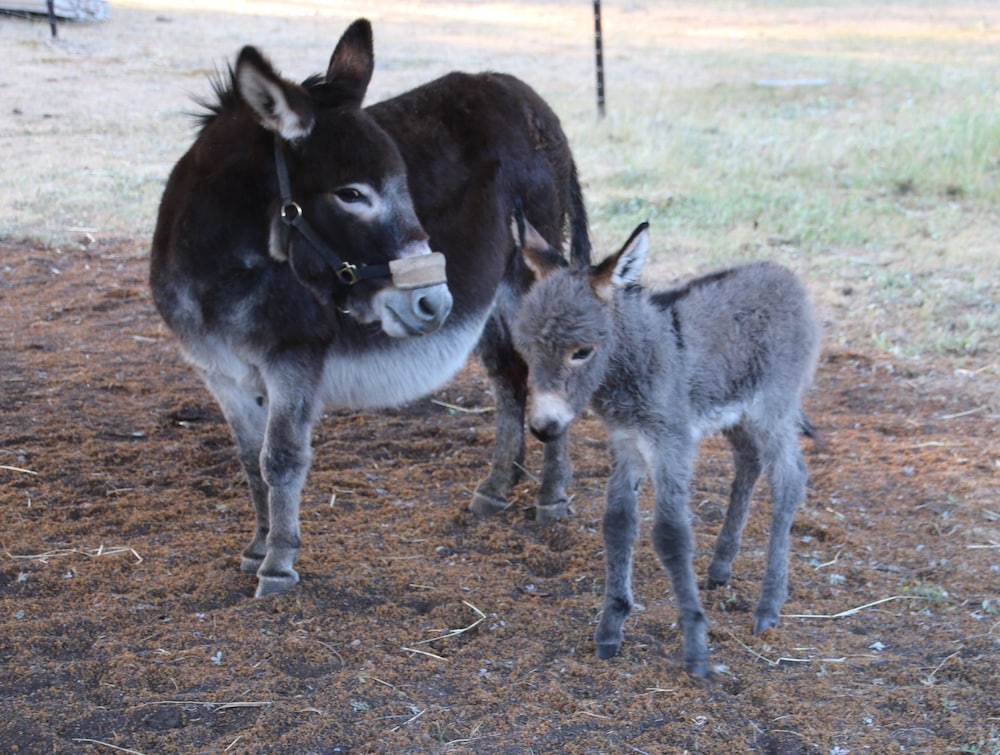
<point x="509" y="375"/>
<point x="673" y="540"/>
<point x="244" y="405"/>
<point x="553" y="503"/>
<point x="747" y="462"/>
<point x="285" y="460"/>
<point x="788" y="476"/>
<point x="620" y="529"/>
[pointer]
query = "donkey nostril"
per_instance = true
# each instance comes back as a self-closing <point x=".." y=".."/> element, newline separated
<point x="546" y="432"/>
<point x="425" y="308"/>
<point x="429" y="309"/>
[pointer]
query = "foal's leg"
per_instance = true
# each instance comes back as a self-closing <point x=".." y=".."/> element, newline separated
<point x="244" y="404"/>
<point x="620" y="529"/>
<point x="787" y="474"/>
<point x="673" y="538"/>
<point x="553" y="503"/>
<point x="746" y="459"/>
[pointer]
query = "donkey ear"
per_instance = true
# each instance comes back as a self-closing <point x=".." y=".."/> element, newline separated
<point x="541" y="258"/>
<point x="280" y="105"/>
<point x="622" y="269"/>
<point x="353" y="61"/>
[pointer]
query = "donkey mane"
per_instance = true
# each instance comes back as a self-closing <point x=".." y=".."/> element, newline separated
<point x="225" y="98"/>
<point x="666" y="299"/>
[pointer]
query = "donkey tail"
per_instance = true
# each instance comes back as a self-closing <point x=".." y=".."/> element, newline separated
<point x="579" y="233"/>
<point x="807" y="428"/>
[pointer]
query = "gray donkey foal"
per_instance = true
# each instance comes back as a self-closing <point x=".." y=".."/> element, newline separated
<point x="731" y="351"/>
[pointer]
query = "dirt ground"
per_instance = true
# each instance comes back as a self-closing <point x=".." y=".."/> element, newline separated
<point x="126" y="626"/>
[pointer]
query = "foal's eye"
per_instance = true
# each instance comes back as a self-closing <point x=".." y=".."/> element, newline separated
<point x="349" y="195"/>
<point x="582" y="354"/>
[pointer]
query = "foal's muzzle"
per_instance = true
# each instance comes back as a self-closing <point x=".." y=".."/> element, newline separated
<point x="547" y="432"/>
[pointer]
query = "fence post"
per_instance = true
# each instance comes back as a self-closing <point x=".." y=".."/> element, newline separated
<point x="53" y="24"/>
<point x="599" y="53"/>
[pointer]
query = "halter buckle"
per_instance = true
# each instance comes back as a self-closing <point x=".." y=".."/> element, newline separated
<point x="347" y="274"/>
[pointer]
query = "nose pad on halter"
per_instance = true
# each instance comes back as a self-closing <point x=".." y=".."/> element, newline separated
<point x="420" y="271"/>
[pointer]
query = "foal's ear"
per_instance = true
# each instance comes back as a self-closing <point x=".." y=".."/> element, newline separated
<point x="353" y="61"/>
<point x="541" y="258"/>
<point x="622" y="269"/>
<point x="279" y="105"/>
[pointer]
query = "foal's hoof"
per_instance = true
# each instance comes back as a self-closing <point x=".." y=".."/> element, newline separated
<point x="698" y="669"/>
<point x="606" y="650"/>
<point x="487" y="505"/>
<point x="718" y="576"/>
<point x="549" y="511"/>
<point x="763" y="623"/>
<point x="272" y="584"/>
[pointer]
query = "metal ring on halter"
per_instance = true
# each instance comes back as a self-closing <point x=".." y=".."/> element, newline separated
<point x="290" y="212"/>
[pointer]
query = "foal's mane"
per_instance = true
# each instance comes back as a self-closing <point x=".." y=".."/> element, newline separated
<point x="666" y="299"/>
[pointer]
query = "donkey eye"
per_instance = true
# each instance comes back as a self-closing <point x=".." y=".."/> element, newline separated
<point x="581" y="355"/>
<point x="350" y="195"/>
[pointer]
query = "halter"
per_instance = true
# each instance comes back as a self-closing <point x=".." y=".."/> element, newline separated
<point x="420" y="271"/>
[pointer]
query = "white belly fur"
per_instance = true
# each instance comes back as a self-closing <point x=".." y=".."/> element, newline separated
<point x="411" y="369"/>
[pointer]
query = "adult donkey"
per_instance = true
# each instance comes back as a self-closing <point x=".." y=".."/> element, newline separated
<point x="292" y="258"/>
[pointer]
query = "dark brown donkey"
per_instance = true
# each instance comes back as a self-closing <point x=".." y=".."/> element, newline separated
<point x="293" y="259"/>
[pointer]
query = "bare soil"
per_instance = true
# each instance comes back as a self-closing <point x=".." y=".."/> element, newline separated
<point x="126" y="626"/>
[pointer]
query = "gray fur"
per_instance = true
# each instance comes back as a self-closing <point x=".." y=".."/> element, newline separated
<point x="731" y="352"/>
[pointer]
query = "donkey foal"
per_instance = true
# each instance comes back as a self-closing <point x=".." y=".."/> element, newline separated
<point x="732" y="351"/>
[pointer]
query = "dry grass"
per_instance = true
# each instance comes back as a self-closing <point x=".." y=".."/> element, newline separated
<point x="858" y="143"/>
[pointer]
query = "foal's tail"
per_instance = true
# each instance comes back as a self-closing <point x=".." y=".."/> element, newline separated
<point x="808" y="429"/>
<point x="806" y="426"/>
<point x="579" y="233"/>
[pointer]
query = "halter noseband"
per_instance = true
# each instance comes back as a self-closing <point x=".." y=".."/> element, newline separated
<point x="419" y="271"/>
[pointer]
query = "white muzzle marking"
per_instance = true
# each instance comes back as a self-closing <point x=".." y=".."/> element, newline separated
<point x="550" y="408"/>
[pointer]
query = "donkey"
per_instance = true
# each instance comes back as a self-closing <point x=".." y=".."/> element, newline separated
<point x="292" y="257"/>
<point x="732" y="351"/>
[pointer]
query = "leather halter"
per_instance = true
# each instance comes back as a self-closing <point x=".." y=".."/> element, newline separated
<point x="293" y="219"/>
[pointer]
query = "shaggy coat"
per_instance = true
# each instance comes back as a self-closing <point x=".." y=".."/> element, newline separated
<point x="733" y="352"/>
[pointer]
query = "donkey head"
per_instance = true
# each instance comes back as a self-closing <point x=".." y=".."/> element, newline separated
<point x="345" y="221"/>
<point x="565" y="329"/>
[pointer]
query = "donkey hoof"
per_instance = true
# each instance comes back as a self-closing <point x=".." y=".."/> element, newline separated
<point x="250" y="564"/>
<point x="763" y="623"/>
<point x="718" y="576"/>
<point x="484" y="504"/>
<point x="272" y="584"/>
<point x="699" y="669"/>
<point x="606" y="650"/>
<point x="549" y="511"/>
